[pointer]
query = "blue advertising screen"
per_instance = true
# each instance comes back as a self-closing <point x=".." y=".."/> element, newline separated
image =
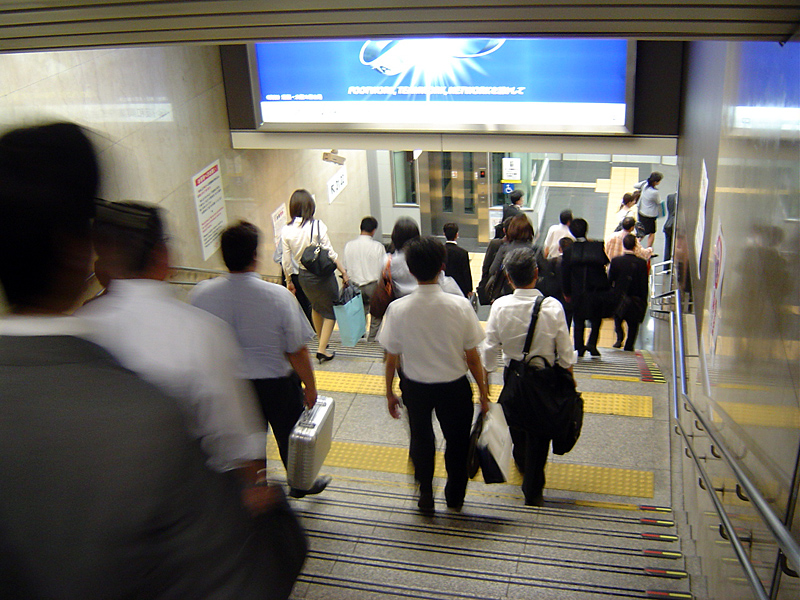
<point x="451" y="84"/>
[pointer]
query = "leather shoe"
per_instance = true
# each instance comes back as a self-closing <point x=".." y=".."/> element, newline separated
<point x="594" y="351"/>
<point x="537" y="501"/>
<point x="319" y="486"/>
<point x="425" y="502"/>
<point x="617" y="344"/>
<point x="325" y="357"/>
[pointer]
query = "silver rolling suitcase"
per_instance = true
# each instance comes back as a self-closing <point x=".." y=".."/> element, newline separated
<point x="309" y="444"/>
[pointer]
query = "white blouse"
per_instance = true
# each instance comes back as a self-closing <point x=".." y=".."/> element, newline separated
<point x="296" y="238"/>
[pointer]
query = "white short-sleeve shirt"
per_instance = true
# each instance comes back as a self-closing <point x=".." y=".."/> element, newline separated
<point x="431" y="330"/>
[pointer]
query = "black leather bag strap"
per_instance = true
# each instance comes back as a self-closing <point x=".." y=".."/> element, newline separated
<point x="531" y="328"/>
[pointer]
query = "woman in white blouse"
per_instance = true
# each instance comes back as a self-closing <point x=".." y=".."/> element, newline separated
<point x="322" y="291"/>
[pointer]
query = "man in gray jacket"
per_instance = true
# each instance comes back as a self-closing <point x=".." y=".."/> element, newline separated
<point x="103" y="492"/>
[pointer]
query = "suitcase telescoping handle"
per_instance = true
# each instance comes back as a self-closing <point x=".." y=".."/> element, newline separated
<point x="307" y="418"/>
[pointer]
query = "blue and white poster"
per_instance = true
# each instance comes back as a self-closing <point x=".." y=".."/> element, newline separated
<point x="505" y="84"/>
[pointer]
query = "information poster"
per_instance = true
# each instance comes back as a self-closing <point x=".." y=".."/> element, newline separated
<point x="210" y="202"/>
<point x="278" y="221"/>
<point x="716" y="293"/>
<point x="700" y="230"/>
<point x="512" y="169"/>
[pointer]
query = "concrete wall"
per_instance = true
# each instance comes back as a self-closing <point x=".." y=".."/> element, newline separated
<point x="158" y="117"/>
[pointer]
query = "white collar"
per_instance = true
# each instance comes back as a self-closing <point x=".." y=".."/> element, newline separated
<point x="27" y="325"/>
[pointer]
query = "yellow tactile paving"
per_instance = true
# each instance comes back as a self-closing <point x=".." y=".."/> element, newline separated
<point x="784" y="417"/>
<point x="621" y="378"/>
<point x="560" y="476"/>
<point x="625" y="405"/>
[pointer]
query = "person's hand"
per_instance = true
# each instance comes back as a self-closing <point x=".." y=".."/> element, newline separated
<point x="394" y="405"/>
<point x="290" y="286"/>
<point x="484" y="399"/>
<point x="311" y="397"/>
<point x="261" y="498"/>
<point x="345" y="278"/>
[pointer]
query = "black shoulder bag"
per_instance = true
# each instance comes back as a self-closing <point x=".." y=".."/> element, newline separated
<point x="542" y="400"/>
<point x="315" y="257"/>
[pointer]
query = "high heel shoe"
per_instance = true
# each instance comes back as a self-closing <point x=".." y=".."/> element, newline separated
<point x="324" y="357"/>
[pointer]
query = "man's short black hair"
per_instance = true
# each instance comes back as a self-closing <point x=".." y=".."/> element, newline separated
<point x="628" y="223"/>
<point x="125" y="236"/>
<point x="565" y="217"/>
<point x="49" y="177"/>
<point x="629" y="242"/>
<point x="520" y="264"/>
<point x="450" y="231"/>
<point x="369" y="224"/>
<point x="239" y="246"/>
<point x="515" y="196"/>
<point x="565" y="242"/>
<point x="425" y="257"/>
<point x="578" y="228"/>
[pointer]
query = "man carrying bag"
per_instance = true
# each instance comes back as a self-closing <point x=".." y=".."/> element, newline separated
<point x="510" y="328"/>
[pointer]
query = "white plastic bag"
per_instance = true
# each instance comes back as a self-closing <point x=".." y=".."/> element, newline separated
<point x="494" y="446"/>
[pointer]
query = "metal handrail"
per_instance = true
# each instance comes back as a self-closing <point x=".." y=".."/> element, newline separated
<point x="787" y="544"/>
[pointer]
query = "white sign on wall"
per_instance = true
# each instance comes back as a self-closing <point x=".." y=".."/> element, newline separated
<point x="512" y="170"/>
<point x="210" y="203"/>
<point x="700" y="229"/>
<point x="336" y="184"/>
<point x="278" y="221"/>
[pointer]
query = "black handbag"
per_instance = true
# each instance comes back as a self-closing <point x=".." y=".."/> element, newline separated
<point x="542" y="400"/>
<point x="315" y="257"/>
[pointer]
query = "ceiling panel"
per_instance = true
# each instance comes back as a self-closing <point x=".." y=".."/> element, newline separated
<point x="52" y="24"/>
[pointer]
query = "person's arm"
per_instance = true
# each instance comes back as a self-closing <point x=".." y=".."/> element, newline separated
<point x="476" y="368"/>
<point x="287" y="261"/>
<point x="391" y="363"/>
<point x="301" y="363"/>
<point x="325" y="242"/>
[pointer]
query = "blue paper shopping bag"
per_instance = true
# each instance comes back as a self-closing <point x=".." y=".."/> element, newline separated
<point x="350" y="315"/>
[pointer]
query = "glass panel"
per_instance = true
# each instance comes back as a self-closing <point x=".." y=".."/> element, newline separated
<point x="447" y="182"/>
<point x="405" y="184"/>
<point x="469" y="184"/>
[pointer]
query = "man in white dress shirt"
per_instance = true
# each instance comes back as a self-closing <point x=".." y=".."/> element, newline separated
<point x="273" y="332"/>
<point x="431" y="339"/>
<point x="507" y="328"/>
<point x="364" y="258"/>
<point x="186" y="352"/>
<point x="556" y="232"/>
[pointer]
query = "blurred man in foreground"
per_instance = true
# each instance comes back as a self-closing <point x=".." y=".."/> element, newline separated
<point x="103" y="493"/>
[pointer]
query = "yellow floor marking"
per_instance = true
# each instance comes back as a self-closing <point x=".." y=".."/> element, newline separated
<point x="560" y="476"/>
<point x="621" y="378"/>
<point x="762" y="415"/>
<point x="594" y="402"/>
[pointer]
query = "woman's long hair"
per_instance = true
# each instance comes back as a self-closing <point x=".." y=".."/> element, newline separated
<point x="301" y="204"/>
<point x="654" y="178"/>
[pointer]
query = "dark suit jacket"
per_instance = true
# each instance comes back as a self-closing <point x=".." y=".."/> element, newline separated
<point x="510" y="210"/>
<point x="457" y="266"/>
<point x="629" y="265"/>
<point x="583" y="276"/>
<point x="103" y="492"/>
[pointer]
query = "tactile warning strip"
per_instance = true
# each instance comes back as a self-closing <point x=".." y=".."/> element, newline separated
<point x="560" y="476"/>
<point x="762" y="415"/>
<point x="624" y="405"/>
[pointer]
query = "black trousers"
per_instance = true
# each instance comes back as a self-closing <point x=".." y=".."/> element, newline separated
<point x="633" y="331"/>
<point x="578" y="326"/>
<point x="530" y="454"/>
<point x="281" y="401"/>
<point x="452" y="402"/>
